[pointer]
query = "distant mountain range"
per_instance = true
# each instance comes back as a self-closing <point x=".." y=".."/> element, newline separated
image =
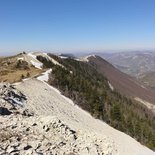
<point x="137" y="64"/>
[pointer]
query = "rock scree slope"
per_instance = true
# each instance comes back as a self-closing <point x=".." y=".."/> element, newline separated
<point x="88" y="129"/>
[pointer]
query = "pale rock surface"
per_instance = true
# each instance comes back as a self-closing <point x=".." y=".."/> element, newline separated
<point x="45" y="55"/>
<point x="31" y="59"/>
<point x="86" y="58"/>
<point x="51" y="124"/>
<point x="47" y="135"/>
<point x="92" y="136"/>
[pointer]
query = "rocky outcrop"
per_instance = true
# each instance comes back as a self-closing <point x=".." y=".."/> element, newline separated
<point x="12" y="101"/>
<point x="11" y="95"/>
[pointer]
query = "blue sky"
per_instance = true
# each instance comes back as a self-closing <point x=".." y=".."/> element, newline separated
<point x="76" y="25"/>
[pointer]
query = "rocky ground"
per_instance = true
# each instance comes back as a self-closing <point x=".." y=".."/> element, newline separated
<point x="46" y="135"/>
<point x="51" y="124"/>
<point x="24" y="132"/>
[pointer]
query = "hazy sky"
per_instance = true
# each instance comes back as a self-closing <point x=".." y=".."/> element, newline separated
<point x="76" y="25"/>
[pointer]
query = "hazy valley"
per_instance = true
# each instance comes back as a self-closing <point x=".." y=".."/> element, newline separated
<point x="139" y="64"/>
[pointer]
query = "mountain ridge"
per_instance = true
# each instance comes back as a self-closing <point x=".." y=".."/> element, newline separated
<point x="50" y="101"/>
<point x="124" y="83"/>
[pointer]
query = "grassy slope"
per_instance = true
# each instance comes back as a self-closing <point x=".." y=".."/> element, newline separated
<point x="9" y="72"/>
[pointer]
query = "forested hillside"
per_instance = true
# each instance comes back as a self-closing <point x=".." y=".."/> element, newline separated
<point x="90" y="90"/>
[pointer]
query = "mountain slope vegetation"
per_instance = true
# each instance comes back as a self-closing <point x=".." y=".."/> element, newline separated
<point x="123" y="83"/>
<point x="90" y="90"/>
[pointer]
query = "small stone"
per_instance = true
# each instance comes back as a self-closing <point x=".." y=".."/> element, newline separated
<point x="47" y="129"/>
<point x="28" y="113"/>
<point x="4" y="111"/>
<point x="27" y="147"/>
<point x="14" y="126"/>
<point x="35" y="124"/>
<point x="18" y="139"/>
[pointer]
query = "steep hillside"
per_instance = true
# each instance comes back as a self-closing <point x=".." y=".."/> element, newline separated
<point x="91" y="90"/>
<point x="71" y="130"/>
<point x="51" y="123"/>
<point x="137" y="64"/>
<point x="123" y="83"/>
<point x="133" y="63"/>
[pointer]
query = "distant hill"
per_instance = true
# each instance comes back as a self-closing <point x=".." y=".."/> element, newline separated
<point x="133" y="63"/>
<point x="122" y="82"/>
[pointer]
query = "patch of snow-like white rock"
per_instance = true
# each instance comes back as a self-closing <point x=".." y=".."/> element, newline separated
<point x="44" y="76"/>
<point x="92" y="136"/>
<point x="86" y="58"/>
<point x="110" y="86"/>
<point x="36" y="64"/>
<point x="20" y="58"/>
<point x="63" y="57"/>
<point x="31" y="59"/>
<point x="143" y="87"/>
<point x="49" y="58"/>
<point x="146" y="103"/>
<point x="32" y="55"/>
<point x="34" y="61"/>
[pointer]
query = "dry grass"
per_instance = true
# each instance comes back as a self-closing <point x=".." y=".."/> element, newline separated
<point x="12" y="76"/>
<point x="10" y="73"/>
